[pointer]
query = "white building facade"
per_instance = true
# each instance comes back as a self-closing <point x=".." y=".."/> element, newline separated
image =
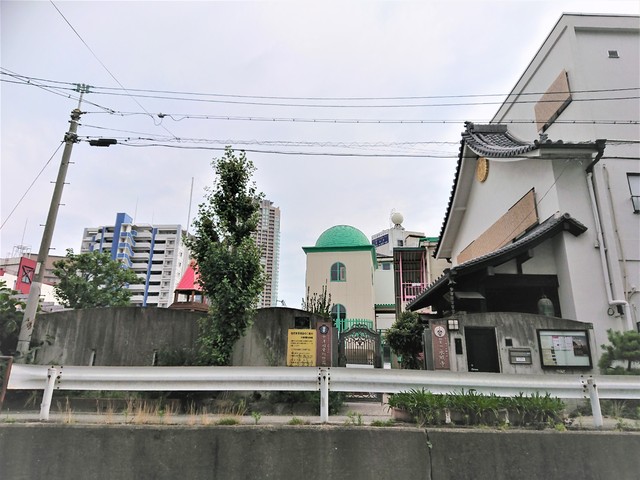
<point x="267" y="238"/>
<point x="156" y="253"/>
<point x="589" y="71"/>
<point x="542" y="209"/>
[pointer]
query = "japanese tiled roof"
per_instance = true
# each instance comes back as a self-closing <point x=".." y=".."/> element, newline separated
<point x="494" y="140"/>
<point x="550" y="227"/>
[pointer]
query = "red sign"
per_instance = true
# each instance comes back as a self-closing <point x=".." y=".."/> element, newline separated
<point x="25" y="275"/>
<point x="324" y="337"/>
<point x="440" y="341"/>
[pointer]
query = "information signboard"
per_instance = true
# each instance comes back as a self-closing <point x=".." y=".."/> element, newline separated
<point x="564" y="348"/>
<point x="301" y="348"/>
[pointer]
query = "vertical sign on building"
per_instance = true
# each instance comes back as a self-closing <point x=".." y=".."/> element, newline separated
<point x="26" y="269"/>
<point x="323" y="345"/>
<point x="440" y="341"/>
<point x="301" y="348"/>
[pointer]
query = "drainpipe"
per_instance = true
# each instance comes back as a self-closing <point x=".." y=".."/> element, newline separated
<point x="601" y="245"/>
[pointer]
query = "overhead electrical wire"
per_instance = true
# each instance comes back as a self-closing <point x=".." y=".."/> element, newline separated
<point x="281" y="152"/>
<point x="130" y="91"/>
<point x="105" y="67"/>
<point x="178" y="117"/>
<point x="30" y="186"/>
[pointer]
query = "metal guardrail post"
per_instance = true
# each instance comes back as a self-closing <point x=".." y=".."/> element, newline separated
<point x="595" y="402"/>
<point x="323" y="377"/>
<point x="45" y="406"/>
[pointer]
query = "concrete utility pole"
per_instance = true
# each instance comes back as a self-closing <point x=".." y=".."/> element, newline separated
<point x="28" y="320"/>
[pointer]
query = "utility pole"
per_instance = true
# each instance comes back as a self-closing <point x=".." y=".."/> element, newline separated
<point x="28" y="320"/>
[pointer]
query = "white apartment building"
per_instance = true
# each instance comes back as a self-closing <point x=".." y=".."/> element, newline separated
<point x="156" y="253"/>
<point x="267" y="237"/>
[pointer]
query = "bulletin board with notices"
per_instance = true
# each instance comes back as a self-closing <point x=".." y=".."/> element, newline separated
<point x="301" y="348"/>
<point x="564" y="348"/>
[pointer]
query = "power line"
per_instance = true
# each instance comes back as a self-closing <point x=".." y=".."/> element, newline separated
<point x="178" y="117"/>
<point x="296" y="143"/>
<point x="104" y="66"/>
<point x="333" y="98"/>
<point x="281" y="152"/>
<point x="30" y="186"/>
<point x="53" y="89"/>
<point x="412" y="105"/>
<point x="128" y="93"/>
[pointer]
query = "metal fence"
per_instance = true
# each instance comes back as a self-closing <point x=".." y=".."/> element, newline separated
<point x="323" y="379"/>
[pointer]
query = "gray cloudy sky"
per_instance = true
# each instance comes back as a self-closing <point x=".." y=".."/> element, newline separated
<point x="339" y="52"/>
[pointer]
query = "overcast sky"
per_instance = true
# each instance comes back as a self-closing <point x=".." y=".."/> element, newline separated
<point x="345" y="148"/>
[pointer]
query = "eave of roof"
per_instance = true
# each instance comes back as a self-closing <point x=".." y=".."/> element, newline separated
<point x="495" y="141"/>
<point x="354" y="248"/>
<point x="538" y="234"/>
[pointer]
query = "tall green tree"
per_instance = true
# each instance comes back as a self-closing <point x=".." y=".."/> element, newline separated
<point x="11" y="312"/>
<point x="92" y="279"/>
<point x="624" y="346"/>
<point x="405" y="339"/>
<point x="228" y="259"/>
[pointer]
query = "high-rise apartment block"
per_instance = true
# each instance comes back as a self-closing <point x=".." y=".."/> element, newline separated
<point x="267" y="237"/>
<point x="156" y="253"/>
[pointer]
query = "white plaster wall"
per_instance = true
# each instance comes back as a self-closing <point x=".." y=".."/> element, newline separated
<point x="384" y="287"/>
<point x="384" y="321"/>
<point x="580" y="46"/>
<point x="357" y="293"/>
<point x="507" y="183"/>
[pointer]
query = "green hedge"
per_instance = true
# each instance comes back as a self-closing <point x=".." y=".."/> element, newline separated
<point x="472" y="408"/>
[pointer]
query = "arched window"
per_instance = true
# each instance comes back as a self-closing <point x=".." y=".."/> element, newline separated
<point x="338" y="312"/>
<point x="338" y="272"/>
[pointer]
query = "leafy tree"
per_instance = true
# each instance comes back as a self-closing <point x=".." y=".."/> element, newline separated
<point x="11" y="312"/>
<point x="624" y="346"/>
<point x="92" y="279"/>
<point x="319" y="303"/>
<point x="228" y="260"/>
<point x="405" y="339"/>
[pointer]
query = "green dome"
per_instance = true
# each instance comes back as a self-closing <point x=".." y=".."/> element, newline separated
<point x="342" y="236"/>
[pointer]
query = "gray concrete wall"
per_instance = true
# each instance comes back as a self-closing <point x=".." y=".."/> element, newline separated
<point x="310" y="453"/>
<point x="124" y="336"/>
<point x="521" y="329"/>
<point x="265" y="344"/>
<point x="118" y="335"/>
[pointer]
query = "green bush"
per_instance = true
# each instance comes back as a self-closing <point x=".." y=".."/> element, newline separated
<point x="428" y="408"/>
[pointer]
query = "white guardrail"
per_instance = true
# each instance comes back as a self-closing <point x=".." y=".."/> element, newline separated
<point x="324" y="379"/>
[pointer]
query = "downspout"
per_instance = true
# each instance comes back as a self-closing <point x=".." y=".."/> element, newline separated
<point x="601" y="244"/>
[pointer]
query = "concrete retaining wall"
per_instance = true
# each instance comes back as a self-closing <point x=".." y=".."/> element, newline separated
<point x="310" y="452"/>
<point x="121" y="336"/>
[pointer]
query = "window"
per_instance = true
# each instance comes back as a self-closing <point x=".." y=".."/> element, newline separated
<point x="386" y="266"/>
<point x="338" y="312"/>
<point x="338" y="272"/>
<point x="634" y="188"/>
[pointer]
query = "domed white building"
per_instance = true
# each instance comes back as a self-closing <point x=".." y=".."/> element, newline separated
<point x="344" y="260"/>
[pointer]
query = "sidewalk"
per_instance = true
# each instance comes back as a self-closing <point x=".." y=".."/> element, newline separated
<point x="351" y="414"/>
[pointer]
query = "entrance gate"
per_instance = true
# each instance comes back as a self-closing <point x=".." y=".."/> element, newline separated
<point x="359" y="345"/>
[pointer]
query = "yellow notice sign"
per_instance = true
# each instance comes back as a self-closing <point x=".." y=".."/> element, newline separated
<point x="301" y="348"/>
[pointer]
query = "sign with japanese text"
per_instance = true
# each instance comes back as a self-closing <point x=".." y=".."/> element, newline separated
<point x="440" y="340"/>
<point x="301" y="348"/>
<point x="323" y="344"/>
